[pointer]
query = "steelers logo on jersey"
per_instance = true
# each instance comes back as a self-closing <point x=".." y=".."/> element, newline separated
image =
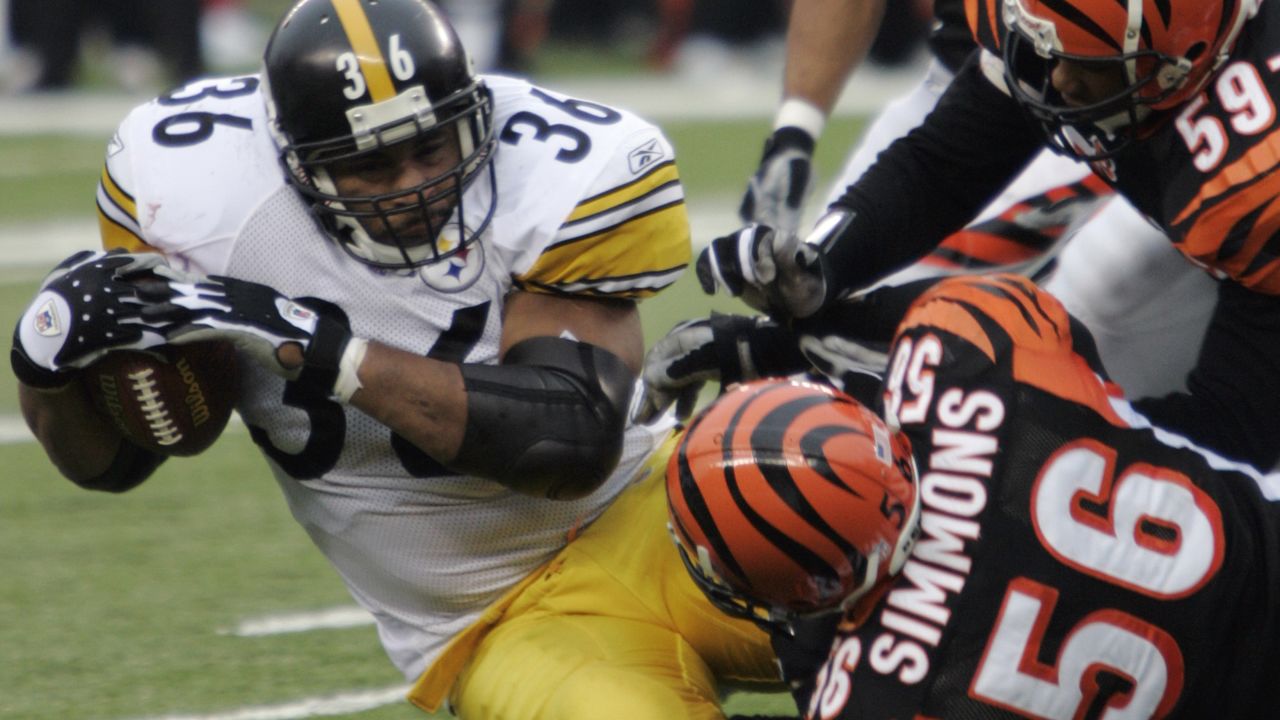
<point x="458" y="271"/>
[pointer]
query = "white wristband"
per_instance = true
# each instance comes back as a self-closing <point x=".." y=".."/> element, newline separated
<point x="797" y="112"/>
<point x="348" y="381"/>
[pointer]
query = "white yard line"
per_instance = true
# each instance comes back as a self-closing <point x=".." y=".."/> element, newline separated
<point x="31" y="246"/>
<point x="14" y="430"/>
<point x="328" y="705"/>
<point x="278" y="624"/>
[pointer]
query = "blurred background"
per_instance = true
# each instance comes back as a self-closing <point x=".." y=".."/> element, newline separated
<point x="144" y="46"/>
<point x="196" y="597"/>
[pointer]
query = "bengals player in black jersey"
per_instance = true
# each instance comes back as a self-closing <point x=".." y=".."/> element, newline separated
<point x="1172" y="103"/>
<point x="1069" y="559"/>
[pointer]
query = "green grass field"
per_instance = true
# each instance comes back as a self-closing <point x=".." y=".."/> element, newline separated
<point x="119" y="607"/>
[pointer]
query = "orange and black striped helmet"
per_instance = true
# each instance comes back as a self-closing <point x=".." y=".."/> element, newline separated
<point x="1165" y="50"/>
<point x="789" y="498"/>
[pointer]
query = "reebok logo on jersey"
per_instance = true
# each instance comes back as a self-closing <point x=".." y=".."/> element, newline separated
<point x="46" y="320"/>
<point x="643" y="157"/>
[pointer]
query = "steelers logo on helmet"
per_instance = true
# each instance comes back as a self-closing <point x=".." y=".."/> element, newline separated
<point x="1153" y="60"/>
<point x="789" y="498"/>
<point x="383" y="127"/>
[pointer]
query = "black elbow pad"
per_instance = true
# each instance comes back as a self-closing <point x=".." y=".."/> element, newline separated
<point x="549" y="421"/>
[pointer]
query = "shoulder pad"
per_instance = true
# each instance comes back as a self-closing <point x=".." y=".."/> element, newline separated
<point x="187" y="168"/>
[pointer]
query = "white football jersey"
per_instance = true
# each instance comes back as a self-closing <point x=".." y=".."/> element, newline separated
<point x="588" y="203"/>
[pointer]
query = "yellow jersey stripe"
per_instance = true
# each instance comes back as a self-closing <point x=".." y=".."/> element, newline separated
<point x="114" y="235"/>
<point x="372" y="63"/>
<point x="644" y="245"/>
<point x="122" y="199"/>
<point x="660" y="175"/>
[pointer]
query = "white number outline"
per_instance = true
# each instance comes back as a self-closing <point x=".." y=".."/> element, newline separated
<point x="1011" y="676"/>
<point x="349" y="65"/>
<point x="1114" y="549"/>
<point x="401" y="61"/>
<point x="908" y="365"/>
<point x="1241" y="93"/>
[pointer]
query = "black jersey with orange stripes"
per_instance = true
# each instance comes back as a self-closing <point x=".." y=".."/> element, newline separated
<point x="1073" y="562"/>
<point x="1205" y="171"/>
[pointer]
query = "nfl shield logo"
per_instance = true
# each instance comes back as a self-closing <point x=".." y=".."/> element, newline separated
<point x="47" y="320"/>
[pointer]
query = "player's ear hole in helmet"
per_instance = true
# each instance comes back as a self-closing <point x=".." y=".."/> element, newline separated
<point x="1136" y="60"/>
<point x="382" y="124"/>
<point x="789" y="499"/>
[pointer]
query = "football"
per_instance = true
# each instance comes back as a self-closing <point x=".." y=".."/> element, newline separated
<point x="172" y="400"/>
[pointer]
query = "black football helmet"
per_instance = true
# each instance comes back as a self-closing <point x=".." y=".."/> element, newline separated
<point x="347" y="79"/>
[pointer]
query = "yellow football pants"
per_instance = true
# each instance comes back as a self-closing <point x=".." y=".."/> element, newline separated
<point x="613" y="628"/>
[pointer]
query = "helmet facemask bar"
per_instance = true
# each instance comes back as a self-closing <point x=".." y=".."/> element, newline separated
<point x="766" y="616"/>
<point x="1095" y="131"/>
<point x="365" y="226"/>
<point x="1032" y="49"/>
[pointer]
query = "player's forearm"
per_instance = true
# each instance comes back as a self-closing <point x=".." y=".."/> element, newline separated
<point x="78" y="440"/>
<point x="423" y="400"/>
<point x="826" y="39"/>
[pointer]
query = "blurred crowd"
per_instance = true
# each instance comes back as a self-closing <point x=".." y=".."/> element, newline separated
<point x="147" y="45"/>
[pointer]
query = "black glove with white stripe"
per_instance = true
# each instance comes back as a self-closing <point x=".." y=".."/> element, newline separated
<point x="776" y="192"/>
<point x="722" y="348"/>
<point x="259" y="321"/>
<point x="87" y="306"/>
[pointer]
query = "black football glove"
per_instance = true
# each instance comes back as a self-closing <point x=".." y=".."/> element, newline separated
<point x="776" y="193"/>
<point x="258" y="320"/>
<point x="779" y="275"/>
<point x="722" y="348"/>
<point x="85" y="307"/>
<point x="856" y="367"/>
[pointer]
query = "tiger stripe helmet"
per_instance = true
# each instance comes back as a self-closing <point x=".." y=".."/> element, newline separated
<point x="789" y="499"/>
<point x="1166" y="49"/>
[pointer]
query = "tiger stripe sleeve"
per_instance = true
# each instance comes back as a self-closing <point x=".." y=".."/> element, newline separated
<point x="629" y="241"/>
<point x="1233" y="221"/>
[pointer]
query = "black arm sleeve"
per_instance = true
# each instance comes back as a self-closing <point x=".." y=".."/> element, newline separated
<point x="549" y="420"/>
<point x="932" y="181"/>
<point x="1233" y="403"/>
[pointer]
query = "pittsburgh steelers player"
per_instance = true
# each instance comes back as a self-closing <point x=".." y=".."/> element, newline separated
<point x="433" y="277"/>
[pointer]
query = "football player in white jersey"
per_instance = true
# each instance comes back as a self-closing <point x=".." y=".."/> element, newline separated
<point x="432" y="277"/>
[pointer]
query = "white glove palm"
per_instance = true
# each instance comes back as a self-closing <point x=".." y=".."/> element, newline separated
<point x="776" y="192"/>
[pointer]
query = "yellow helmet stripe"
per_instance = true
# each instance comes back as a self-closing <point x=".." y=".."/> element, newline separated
<point x="360" y="34"/>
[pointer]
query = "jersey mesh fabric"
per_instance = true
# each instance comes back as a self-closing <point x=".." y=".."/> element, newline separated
<point x="424" y="554"/>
